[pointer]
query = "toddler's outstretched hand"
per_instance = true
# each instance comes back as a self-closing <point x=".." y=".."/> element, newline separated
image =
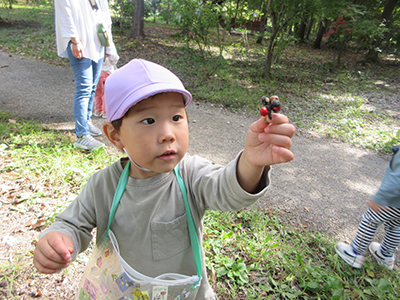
<point x="269" y="144"/>
<point x="265" y="145"/>
<point x="53" y="252"/>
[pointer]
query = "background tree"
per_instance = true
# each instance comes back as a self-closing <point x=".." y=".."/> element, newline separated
<point x="281" y="13"/>
<point x="380" y="37"/>
<point x="199" y="23"/>
<point x="138" y="21"/>
<point x="154" y="7"/>
<point x="123" y="12"/>
<point x="342" y="31"/>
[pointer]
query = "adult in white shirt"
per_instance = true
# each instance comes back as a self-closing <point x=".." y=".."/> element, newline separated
<point x="76" y="33"/>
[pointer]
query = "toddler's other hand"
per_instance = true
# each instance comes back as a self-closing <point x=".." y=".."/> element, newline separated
<point x="53" y="252"/>
<point x="376" y="207"/>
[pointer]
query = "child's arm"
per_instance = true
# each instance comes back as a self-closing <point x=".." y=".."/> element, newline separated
<point x="265" y="145"/>
<point x="53" y="252"/>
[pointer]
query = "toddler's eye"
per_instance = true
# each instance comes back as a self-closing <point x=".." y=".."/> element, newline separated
<point x="176" y="118"/>
<point x="149" y="121"/>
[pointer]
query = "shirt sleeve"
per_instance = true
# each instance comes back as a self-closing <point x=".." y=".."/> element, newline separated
<point x="76" y="221"/>
<point x="216" y="187"/>
<point x="64" y="17"/>
<point x="90" y="209"/>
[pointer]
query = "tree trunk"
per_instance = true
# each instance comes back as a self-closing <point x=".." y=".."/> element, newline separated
<point x="168" y="8"/>
<point x="386" y="16"/>
<point x="321" y="32"/>
<point x="269" y="54"/>
<point x="388" y="10"/>
<point x="302" y="31"/>
<point x="278" y="22"/>
<point x="138" y="23"/>
<point x="310" y="24"/>
<point x="122" y="15"/>
<point x="262" y="29"/>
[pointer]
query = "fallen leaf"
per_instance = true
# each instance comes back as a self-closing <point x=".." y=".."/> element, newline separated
<point x="39" y="223"/>
<point x="38" y="293"/>
<point x="213" y="275"/>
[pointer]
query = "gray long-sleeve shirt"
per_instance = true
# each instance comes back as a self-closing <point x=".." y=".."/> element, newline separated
<point x="389" y="191"/>
<point x="150" y="222"/>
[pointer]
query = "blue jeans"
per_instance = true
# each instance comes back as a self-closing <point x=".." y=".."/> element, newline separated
<point x="87" y="74"/>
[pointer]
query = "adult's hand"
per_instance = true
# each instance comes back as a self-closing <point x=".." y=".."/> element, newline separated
<point x="77" y="49"/>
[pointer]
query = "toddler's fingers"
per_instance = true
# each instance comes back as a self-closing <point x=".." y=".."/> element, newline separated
<point x="62" y="246"/>
<point x="279" y="140"/>
<point x="45" y="265"/>
<point x="282" y="155"/>
<point x="278" y="118"/>
<point x="285" y="129"/>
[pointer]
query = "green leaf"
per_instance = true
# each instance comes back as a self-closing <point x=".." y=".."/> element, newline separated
<point x="313" y="285"/>
<point x="244" y="277"/>
<point x="242" y="267"/>
<point x="370" y="273"/>
<point x="384" y="284"/>
<point x="221" y="271"/>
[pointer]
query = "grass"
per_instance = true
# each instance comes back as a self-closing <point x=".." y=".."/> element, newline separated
<point x="355" y="104"/>
<point x="250" y="254"/>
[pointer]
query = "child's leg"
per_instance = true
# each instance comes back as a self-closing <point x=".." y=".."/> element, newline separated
<point x="392" y="234"/>
<point x="367" y="228"/>
<point x="366" y="231"/>
<point x="99" y="97"/>
<point x="103" y="79"/>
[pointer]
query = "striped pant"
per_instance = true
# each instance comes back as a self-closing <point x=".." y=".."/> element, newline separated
<point x="368" y="226"/>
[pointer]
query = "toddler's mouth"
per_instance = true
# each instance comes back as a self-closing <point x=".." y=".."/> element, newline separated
<point x="167" y="155"/>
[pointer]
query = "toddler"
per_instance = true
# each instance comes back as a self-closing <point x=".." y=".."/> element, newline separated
<point x="384" y="208"/>
<point x="145" y="105"/>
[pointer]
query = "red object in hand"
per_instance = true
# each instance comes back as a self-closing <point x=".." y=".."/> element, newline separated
<point x="264" y="111"/>
<point x="276" y="108"/>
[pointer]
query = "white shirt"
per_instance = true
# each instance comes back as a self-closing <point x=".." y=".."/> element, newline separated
<point x="76" y="18"/>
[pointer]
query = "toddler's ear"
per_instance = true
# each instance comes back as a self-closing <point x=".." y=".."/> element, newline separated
<point x="112" y="135"/>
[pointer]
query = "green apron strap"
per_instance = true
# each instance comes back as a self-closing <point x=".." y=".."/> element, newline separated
<point x="192" y="229"/>
<point x="118" y="194"/>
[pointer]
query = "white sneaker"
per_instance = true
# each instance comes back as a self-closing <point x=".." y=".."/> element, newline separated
<point x="87" y="142"/>
<point x="347" y="253"/>
<point x="94" y="131"/>
<point x="387" y="262"/>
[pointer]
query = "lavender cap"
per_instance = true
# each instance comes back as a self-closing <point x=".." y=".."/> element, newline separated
<point x="136" y="81"/>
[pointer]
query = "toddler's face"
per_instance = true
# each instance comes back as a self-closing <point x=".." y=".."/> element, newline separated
<point x="155" y="133"/>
